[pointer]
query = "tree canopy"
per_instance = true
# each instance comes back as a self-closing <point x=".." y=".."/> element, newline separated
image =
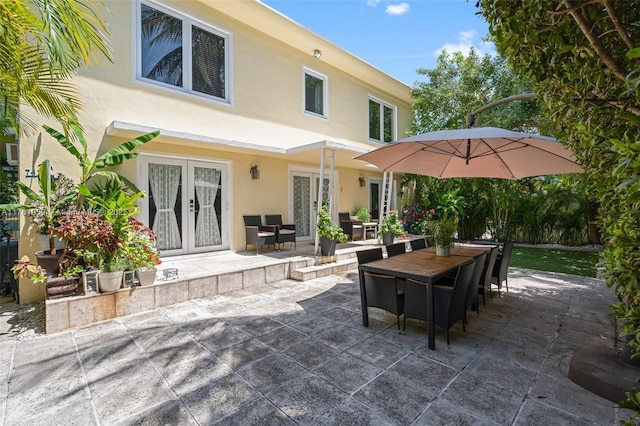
<point x="461" y="84"/>
<point x="42" y="44"/>
<point x="529" y="210"/>
<point x="583" y="60"/>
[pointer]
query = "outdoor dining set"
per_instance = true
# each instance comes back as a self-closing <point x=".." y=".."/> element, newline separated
<point x="420" y="285"/>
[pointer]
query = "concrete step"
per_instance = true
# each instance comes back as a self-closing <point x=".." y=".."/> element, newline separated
<point x="344" y="264"/>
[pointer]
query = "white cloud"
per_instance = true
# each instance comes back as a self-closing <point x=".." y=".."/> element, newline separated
<point x="397" y="9"/>
<point x="466" y="40"/>
<point x="373" y="3"/>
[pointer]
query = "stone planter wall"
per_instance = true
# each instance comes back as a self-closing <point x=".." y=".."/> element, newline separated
<point x="73" y="312"/>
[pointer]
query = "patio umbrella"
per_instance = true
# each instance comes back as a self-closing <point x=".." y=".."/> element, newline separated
<point x="489" y="152"/>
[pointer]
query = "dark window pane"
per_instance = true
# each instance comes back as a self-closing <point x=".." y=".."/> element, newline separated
<point x="161" y="46"/>
<point x="388" y="124"/>
<point x="208" y="62"/>
<point x="313" y="94"/>
<point x="374" y="120"/>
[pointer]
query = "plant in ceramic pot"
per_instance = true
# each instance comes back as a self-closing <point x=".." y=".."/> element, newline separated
<point x="390" y="227"/>
<point x="444" y="220"/>
<point x="55" y="196"/>
<point x="140" y="251"/>
<point x="329" y="232"/>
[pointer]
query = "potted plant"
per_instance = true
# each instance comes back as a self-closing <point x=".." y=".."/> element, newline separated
<point x="56" y="286"/>
<point x="141" y="253"/>
<point x="54" y="197"/>
<point x="444" y="220"/>
<point x="442" y="234"/>
<point x="329" y="232"/>
<point x="363" y="215"/>
<point x="390" y="227"/>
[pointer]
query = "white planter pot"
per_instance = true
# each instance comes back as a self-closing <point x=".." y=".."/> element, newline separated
<point x="110" y="281"/>
<point x="146" y="276"/>
<point x="44" y="242"/>
<point x="443" y="250"/>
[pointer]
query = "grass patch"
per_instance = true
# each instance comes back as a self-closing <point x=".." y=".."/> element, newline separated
<point x="555" y="260"/>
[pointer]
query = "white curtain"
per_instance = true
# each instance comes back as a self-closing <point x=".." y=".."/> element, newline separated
<point x="301" y="209"/>
<point x="165" y="182"/>
<point x="207" y="182"/>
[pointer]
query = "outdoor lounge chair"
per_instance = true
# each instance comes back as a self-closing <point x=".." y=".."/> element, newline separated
<point x="501" y="268"/>
<point x="449" y="301"/>
<point x="284" y="232"/>
<point x="257" y="234"/>
<point x="353" y="228"/>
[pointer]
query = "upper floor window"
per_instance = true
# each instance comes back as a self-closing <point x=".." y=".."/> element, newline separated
<point x="315" y="93"/>
<point x="382" y="121"/>
<point x="178" y="52"/>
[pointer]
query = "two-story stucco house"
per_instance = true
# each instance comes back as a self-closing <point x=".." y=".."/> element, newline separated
<point x="231" y="85"/>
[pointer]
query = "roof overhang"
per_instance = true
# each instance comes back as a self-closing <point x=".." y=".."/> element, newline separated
<point x="306" y="151"/>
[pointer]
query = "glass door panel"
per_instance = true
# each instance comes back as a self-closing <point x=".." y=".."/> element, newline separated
<point x="186" y="204"/>
<point x="165" y="204"/>
<point x="207" y="209"/>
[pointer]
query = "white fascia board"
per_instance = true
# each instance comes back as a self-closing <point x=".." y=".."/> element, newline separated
<point x="117" y="128"/>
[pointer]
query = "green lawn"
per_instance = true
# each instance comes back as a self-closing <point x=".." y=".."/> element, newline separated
<point x="555" y="260"/>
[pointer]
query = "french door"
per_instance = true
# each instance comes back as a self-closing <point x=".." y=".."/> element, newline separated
<point x="376" y="196"/>
<point x="304" y="196"/>
<point x="186" y="203"/>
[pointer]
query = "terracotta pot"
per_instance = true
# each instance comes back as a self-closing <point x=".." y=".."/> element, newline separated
<point x="146" y="276"/>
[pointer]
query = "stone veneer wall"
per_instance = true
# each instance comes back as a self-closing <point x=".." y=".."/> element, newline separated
<point x="74" y="312"/>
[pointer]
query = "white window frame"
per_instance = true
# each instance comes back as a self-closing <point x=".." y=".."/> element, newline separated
<point x="394" y="124"/>
<point x="187" y="23"/>
<point x="325" y="90"/>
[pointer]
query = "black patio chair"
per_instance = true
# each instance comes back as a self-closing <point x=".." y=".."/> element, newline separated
<point x="501" y="268"/>
<point x="382" y="291"/>
<point x="449" y="301"/>
<point x="472" y="292"/>
<point x="257" y="234"/>
<point x="396" y="249"/>
<point x="285" y="233"/>
<point x="353" y="228"/>
<point x="369" y="255"/>
<point x="418" y="243"/>
<point x="485" y="279"/>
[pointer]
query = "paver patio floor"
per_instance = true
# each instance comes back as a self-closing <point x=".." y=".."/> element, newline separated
<point x="296" y="353"/>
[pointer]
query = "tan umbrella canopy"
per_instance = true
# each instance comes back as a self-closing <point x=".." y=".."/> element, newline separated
<point x="489" y="152"/>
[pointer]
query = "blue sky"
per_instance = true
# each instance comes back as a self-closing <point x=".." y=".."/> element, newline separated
<point x="396" y="36"/>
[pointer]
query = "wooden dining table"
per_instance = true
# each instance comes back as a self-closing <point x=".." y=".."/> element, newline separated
<point x="422" y="265"/>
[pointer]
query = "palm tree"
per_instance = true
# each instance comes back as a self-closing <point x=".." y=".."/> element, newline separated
<point x="42" y="44"/>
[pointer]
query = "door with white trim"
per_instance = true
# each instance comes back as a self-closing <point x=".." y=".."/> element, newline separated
<point x="186" y="203"/>
<point x="304" y="196"/>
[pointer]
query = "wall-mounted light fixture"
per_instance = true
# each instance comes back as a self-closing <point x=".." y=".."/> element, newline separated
<point x="255" y="173"/>
<point x="317" y="54"/>
<point x="362" y="181"/>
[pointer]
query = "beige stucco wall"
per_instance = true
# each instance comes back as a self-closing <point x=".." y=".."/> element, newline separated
<point x="266" y="110"/>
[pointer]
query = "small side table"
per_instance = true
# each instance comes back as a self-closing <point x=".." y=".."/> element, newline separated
<point x="369" y="227"/>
